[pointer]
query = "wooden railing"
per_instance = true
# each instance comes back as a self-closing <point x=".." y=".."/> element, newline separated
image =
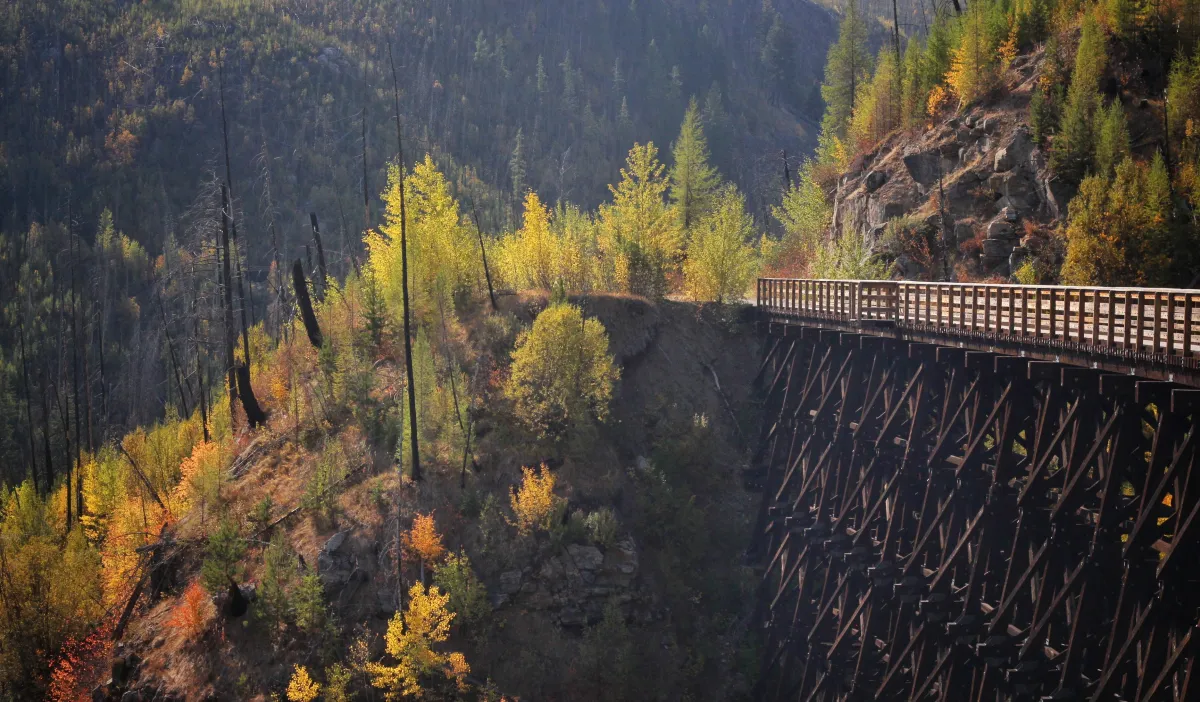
<point x="1160" y="324"/>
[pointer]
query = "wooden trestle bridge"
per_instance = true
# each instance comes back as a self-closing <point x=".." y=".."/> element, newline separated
<point x="978" y="492"/>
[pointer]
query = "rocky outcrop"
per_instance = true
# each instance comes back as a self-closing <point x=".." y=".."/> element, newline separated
<point x="575" y="584"/>
<point x="980" y="168"/>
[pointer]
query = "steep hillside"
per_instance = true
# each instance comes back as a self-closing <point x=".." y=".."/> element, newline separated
<point x="1047" y="142"/>
<point x="640" y="593"/>
<point x="117" y="105"/>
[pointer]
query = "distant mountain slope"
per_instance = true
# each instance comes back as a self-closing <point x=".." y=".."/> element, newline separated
<point x="116" y="105"/>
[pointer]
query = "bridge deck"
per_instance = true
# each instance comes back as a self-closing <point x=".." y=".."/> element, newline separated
<point x="1149" y="332"/>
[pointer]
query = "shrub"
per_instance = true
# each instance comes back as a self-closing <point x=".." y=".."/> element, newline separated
<point x="534" y="504"/>
<point x="193" y="613"/>
<point x="302" y="688"/>
<point x="468" y="596"/>
<point x="424" y="541"/>
<point x="562" y="373"/>
<point x="602" y="526"/>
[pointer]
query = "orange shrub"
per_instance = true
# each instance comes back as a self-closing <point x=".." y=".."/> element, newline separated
<point x="193" y="613"/>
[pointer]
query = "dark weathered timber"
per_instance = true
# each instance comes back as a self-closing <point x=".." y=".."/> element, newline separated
<point x="960" y="521"/>
<point x="306" y="309"/>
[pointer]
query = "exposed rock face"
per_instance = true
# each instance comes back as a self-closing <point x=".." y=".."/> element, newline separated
<point x="980" y="168"/>
<point x="875" y="180"/>
<point x="575" y="584"/>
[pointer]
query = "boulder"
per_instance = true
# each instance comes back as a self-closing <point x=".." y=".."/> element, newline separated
<point x="882" y="210"/>
<point x="875" y="180"/>
<point x="335" y="542"/>
<point x="1022" y="191"/>
<point x="334" y="566"/>
<point x="1000" y="229"/>
<point x="510" y="582"/>
<point x="586" y="558"/>
<point x="1018" y="257"/>
<point x="1005" y="159"/>
<point x="963" y="231"/>
<point x="996" y="251"/>
<point x="925" y="167"/>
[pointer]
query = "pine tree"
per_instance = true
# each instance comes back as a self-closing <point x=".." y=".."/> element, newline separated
<point x="1072" y="150"/>
<point x="913" y="92"/>
<point x="570" y="99"/>
<point x="1112" y="138"/>
<point x="542" y="85"/>
<point x="778" y="59"/>
<point x="693" y="180"/>
<point x="805" y="216"/>
<point x="878" y="109"/>
<point x="848" y="67"/>
<point x="618" y="78"/>
<point x="516" y="164"/>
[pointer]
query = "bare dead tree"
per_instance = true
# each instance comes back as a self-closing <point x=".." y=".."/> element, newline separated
<point x="232" y="221"/>
<point x="323" y="272"/>
<point x="408" y="360"/>
<point x="174" y="360"/>
<point x="201" y="386"/>
<point x="227" y="296"/>
<point x="487" y="274"/>
<point x="306" y="309"/>
<point x="366" y="184"/>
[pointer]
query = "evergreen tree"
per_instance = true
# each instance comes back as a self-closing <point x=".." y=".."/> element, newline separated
<point x="516" y="164"/>
<point x="1112" y="138"/>
<point x="805" y="216"/>
<point x="542" y="85"/>
<point x="570" y="99"/>
<point x="1118" y="233"/>
<point x="913" y="91"/>
<point x="618" y="78"/>
<point x="639" y="233"/>
<point x="878" y="109"/>
<point x="847" y="68"/>
<point x="778" y="58"/>
<point x="693" y="180"/>
<point x="1071" y="152"/>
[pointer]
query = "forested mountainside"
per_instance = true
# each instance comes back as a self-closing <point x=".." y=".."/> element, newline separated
<point x="1041" y="141"/>
<point x="112" y="143"/>
<point x="116" y="105"/>
<point x="287" y="414"/>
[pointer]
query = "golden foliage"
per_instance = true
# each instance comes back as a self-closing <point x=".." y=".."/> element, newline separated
<point x="562" y="373"/>
<point x="424" y="540"/>
<point x="534" y="503"/>
<point x="410" y="639"/>
<point x="302" y="688"/>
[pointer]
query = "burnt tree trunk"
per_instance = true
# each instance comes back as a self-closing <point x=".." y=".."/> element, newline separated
<point x="227" y="300"/>
<point x="306" y="308"/>
<point x="174" y="360"/>
<point x="254" y="413"/>
<point x="322" y="271"/>
<point x="408" y="360"/>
